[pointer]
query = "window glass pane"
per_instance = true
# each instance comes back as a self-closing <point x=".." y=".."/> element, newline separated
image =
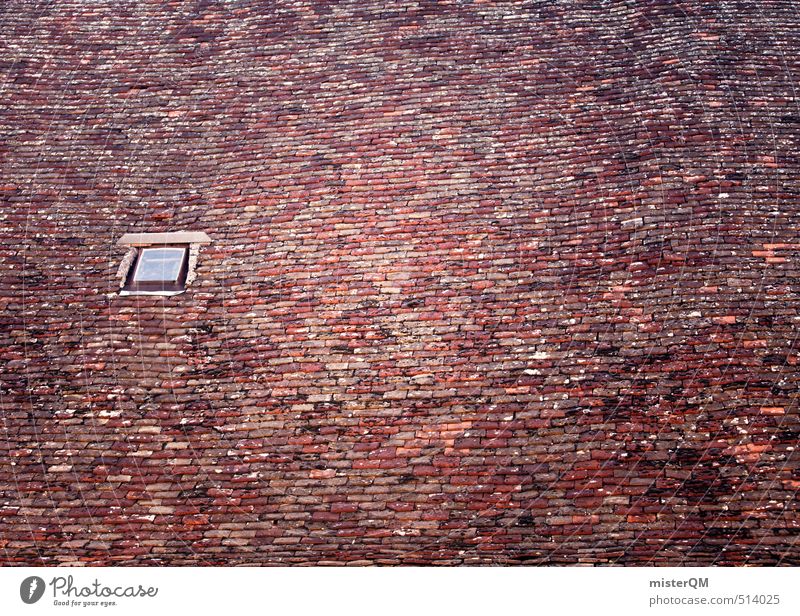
<point x="159" y="264"/>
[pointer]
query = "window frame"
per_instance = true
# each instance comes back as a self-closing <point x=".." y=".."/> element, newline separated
<point x="161" y="286"/>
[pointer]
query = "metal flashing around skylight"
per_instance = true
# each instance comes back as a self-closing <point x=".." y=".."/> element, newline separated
<point x="154" y="239"/>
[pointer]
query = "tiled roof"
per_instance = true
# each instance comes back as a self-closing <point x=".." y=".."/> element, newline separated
<point x="489" y="282"/>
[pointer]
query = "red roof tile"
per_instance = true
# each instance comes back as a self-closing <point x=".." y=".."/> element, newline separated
<point x="489" y="283"/>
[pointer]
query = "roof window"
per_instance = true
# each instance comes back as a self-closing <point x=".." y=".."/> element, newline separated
<point x="159" y="263"/>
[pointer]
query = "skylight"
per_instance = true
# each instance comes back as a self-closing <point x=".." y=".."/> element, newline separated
<point x="159" y="265"/>
<point x="159" y="270"/>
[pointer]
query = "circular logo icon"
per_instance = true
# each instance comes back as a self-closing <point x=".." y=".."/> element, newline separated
<point x="31" y="589"/>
